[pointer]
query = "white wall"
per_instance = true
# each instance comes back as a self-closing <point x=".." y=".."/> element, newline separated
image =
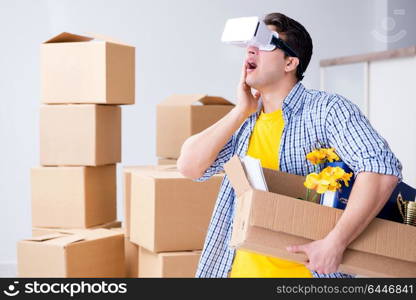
<point x="178" y="51"/>
<point x="393" y="108"/>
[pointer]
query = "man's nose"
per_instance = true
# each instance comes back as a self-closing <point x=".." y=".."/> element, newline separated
<point x="252" y="50"/>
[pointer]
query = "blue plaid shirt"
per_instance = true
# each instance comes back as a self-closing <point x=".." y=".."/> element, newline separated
<point x="310" y="116"/>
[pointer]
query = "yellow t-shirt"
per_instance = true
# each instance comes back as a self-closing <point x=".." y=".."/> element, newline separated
<point x="264" y="145"/>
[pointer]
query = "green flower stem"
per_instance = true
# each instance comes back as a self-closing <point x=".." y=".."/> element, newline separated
<point x="307" y="173"/>
<point x="314" y="198"/>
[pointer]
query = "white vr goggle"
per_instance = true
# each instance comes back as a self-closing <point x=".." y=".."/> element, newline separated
<point x="251" y="31"/>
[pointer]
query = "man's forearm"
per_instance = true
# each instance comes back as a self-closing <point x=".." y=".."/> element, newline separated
<point x="199" y="151"/>
<point x="369" y="194"/>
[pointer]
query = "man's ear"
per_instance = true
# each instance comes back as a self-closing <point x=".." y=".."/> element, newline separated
<point x="291" y="63"/>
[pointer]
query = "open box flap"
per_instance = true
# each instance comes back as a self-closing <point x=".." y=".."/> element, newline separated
<point x="277" y="182"/>
<point x="67" y="240"/>
<point x="100" y="233"/>
<point x="83" y="235"/>
<point x="106" y="38"/>
<point x="287" y="184"/>
<point x="70" y="236"/>
<point x="210" y="100"/>
<point x="66" y="37"/>
<point x="237" y="176"/>
<point x="186" y="100"/>
<point x="45" y="237"/>
<point x="158" y="174"/>
<point x="56" y="239"/>
<point x="147" y="168"/>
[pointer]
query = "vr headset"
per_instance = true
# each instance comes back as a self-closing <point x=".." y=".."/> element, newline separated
<point x="251" y="31"/>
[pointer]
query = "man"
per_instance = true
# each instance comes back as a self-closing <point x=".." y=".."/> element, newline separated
<point x="288" y="124"/>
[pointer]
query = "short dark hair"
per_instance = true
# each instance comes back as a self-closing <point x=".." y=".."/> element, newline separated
<point x="296" y="36"/>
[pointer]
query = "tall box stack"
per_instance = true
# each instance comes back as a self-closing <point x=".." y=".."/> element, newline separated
<point x="84" y="80"/>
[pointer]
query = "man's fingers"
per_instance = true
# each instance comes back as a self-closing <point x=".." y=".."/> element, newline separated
<point x="296" y="248"/>
<point x="313" y="268"/>
<point x="243" y="73"/>
<point x="320" y="270"/>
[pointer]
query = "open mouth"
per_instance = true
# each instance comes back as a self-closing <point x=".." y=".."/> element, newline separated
<point x="251" y="66"/>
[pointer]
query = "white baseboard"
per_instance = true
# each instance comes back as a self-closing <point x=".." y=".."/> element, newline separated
<point x="8" y="269"/>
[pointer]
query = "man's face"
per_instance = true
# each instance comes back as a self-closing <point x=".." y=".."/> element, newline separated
<point x="264" y="67"/>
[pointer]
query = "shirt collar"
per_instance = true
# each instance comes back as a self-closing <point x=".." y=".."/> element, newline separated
<point x="292" y="102"/>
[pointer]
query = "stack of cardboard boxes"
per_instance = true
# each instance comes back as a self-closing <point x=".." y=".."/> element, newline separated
<point x="84" y="79"/>
<point x="167" y="217"/>
<point x="166" y="214"/>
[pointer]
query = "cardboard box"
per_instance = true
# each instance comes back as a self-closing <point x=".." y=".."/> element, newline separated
<point x="166" y="161"/>
<point x="80" y="135"/>
<point x="73" y="197"/>
<point x="131" y="250"/>
<point x="127" y="193"/>
<point x="170" y="212"/>
<point x="87" y="69"/>
<point x="127" y="189"/>
<point x="267" y="222"/>
<point x="131" y="253"/>
<point x="132" y="258"/>
<point x="72" y="255"/>
<point x="38" y="231"/>
<point x="168" y="264"/>
<point x="181" y="116"/>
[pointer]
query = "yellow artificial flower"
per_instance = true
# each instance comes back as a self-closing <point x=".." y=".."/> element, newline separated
<point x="333" y="172"/>
<point x="311" y="181"/>
<point x="319" y="156"/>
<point x="316" y="182"/>
<point x="327" y="180"/>
<point x="331" y="155"/>
<point x="346" y="178"/>
<point x="330" y="178"/>
<point x="316" y="157"/>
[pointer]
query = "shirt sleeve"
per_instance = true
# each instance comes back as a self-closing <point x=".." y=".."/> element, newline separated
<point x="217" y="166"/>
<point x="357" y="143"/>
